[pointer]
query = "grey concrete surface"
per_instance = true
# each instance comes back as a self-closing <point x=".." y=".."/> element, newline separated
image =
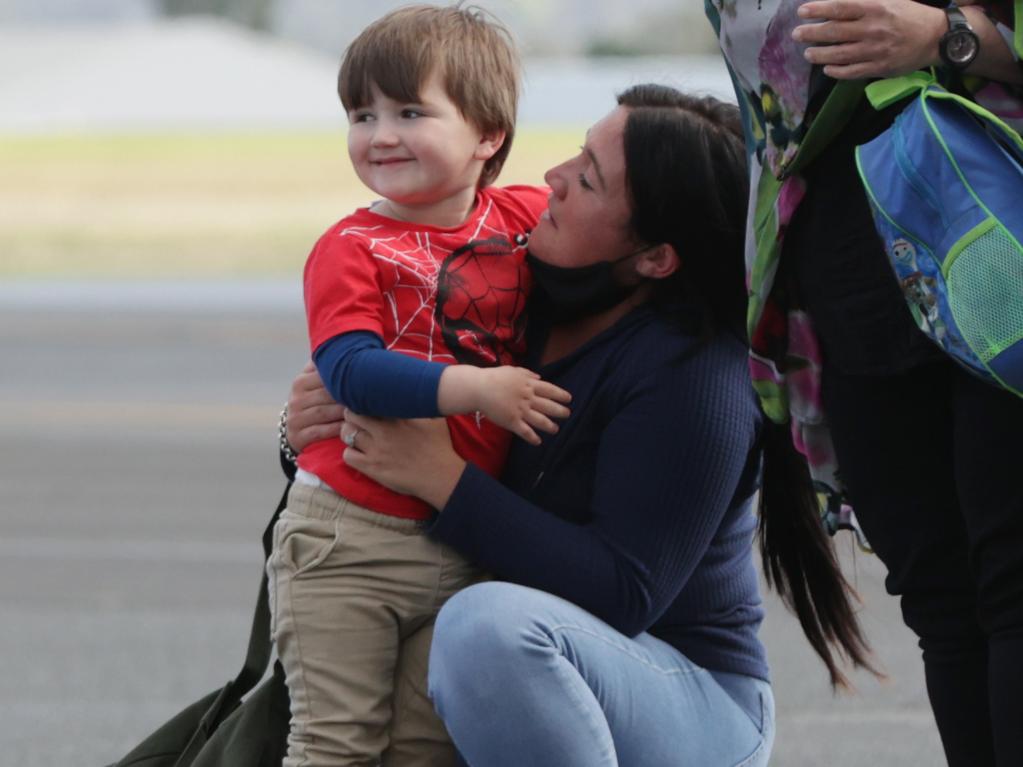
<point x="137" y="469"/>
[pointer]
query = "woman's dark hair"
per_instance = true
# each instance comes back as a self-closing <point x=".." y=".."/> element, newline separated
<point x="686" y="172"/>
<point x="687" y="177"/>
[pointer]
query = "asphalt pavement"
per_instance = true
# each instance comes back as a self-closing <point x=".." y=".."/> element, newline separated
<point x="138" y="467"/>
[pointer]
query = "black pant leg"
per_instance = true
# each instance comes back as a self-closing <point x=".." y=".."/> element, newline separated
<point x="989" y="478"/>
<point x="894" y="439"/>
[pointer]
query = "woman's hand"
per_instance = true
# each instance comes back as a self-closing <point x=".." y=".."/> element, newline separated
<point x="410" y="456"/>
<point x="856" y="39"/>
<point x="312" y="413"/>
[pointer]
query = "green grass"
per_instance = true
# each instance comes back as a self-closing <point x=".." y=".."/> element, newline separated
<point x="181" y="206"/>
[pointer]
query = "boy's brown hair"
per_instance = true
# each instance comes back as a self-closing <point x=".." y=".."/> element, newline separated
<point x="474" y="56"/>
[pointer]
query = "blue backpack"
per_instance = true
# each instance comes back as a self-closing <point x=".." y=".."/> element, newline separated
<point x="945" y="183"/>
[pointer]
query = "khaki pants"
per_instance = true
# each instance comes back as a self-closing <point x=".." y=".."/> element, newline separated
<point x="353" y="597"/>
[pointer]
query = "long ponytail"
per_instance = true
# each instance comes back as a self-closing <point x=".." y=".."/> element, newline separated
<point x="799" y="558"/>
<point x="686" y="169"/>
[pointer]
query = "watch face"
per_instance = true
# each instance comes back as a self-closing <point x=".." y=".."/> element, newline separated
<point x="961" y="47"/>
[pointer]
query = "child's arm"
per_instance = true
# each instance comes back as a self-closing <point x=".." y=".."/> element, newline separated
<point x="360" y="373"/>
<point x="514" y="398"/>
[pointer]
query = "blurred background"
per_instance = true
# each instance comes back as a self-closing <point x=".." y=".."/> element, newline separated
<point x="205" y="137"/>
<point x="165" y="166"/>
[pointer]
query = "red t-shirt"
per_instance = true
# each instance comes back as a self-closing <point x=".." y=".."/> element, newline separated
<point x="451" y="295"/>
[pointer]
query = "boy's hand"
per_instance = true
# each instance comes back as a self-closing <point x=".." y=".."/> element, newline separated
<point x="521" y="402"/>
<point x="514" y="398"/>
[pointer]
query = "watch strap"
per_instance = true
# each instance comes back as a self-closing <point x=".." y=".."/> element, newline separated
<point x="958" y="29"/>
<point x="956" y="18"/>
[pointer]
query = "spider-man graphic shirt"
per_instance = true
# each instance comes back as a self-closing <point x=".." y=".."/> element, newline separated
<point x="452" y="295"/>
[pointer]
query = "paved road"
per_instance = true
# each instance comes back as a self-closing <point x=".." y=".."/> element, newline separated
<point x="138" y="468"/>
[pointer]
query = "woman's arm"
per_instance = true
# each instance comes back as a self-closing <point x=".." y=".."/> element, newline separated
<point x="667" y="469"/>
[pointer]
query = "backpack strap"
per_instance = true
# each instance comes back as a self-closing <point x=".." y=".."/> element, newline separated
<point x="257" y="658"/>
<point x="258" y="655"/>
<point x="884" y="93"/>
<point x="982" y="113"/>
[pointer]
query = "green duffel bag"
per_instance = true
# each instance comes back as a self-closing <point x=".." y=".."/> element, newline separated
<point x="221" y="729"/>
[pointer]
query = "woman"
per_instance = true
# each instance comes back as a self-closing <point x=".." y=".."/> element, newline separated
<point x="929" y="455"/>
<point x="626" y="633"/>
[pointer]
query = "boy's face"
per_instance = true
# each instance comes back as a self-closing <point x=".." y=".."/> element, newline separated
<point x="417" y="155"/>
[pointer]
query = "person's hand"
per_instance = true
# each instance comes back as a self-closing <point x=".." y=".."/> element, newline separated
<point x="855" y="39"/>
<point x="312" y="413"/>
<point x="514" y="398"/>
<point x="409" y="456"/>
<point x="521" y="402"/>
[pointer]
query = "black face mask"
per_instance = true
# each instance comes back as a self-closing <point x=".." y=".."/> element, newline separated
<point x="571" y="293"/>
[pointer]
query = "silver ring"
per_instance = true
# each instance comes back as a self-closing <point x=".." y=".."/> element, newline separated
<point x="349" y="439"/>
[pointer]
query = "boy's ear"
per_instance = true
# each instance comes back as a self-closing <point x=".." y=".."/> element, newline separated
<point x="490" y="142"/>
<point x="658" y="262"/>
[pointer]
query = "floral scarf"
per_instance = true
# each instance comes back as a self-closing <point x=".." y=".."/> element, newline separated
<point x="775" y="90"/>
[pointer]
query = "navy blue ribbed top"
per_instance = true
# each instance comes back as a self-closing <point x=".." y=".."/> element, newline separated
<point x="639" y="509"/>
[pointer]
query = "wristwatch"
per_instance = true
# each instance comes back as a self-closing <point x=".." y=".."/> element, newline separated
<point x="960" y="45"/>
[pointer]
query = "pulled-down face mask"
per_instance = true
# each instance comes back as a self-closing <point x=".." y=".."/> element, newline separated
<point x="574" y="292"/>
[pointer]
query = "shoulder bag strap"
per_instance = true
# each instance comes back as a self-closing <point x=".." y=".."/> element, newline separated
<point x="257" y="657"/>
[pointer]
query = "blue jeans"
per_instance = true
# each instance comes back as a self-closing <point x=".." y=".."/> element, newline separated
<point x="523" y="677"/>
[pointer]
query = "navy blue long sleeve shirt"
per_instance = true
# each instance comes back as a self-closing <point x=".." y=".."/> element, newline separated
<point x="639" y="509"/>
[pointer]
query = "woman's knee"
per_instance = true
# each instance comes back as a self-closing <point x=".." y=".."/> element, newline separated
<point x="482" y="618"/>
<point x="482" y="631"/>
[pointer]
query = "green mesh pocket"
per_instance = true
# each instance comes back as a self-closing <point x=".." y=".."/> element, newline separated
<point x="985" y="293"/>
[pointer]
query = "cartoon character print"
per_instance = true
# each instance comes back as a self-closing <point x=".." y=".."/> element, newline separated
<point x="919" y="289"/>
<point x="481" y="296"/>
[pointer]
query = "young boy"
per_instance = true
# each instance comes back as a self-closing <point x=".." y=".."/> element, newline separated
<point x="414" y="308"/>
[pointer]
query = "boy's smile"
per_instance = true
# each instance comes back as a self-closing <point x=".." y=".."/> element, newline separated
<point x="424" y="158"/>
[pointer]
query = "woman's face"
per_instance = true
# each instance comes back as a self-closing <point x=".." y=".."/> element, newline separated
<point x="588" y="216"/>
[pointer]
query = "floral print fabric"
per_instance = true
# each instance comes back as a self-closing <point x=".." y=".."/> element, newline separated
<point x="776" y="87"/>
